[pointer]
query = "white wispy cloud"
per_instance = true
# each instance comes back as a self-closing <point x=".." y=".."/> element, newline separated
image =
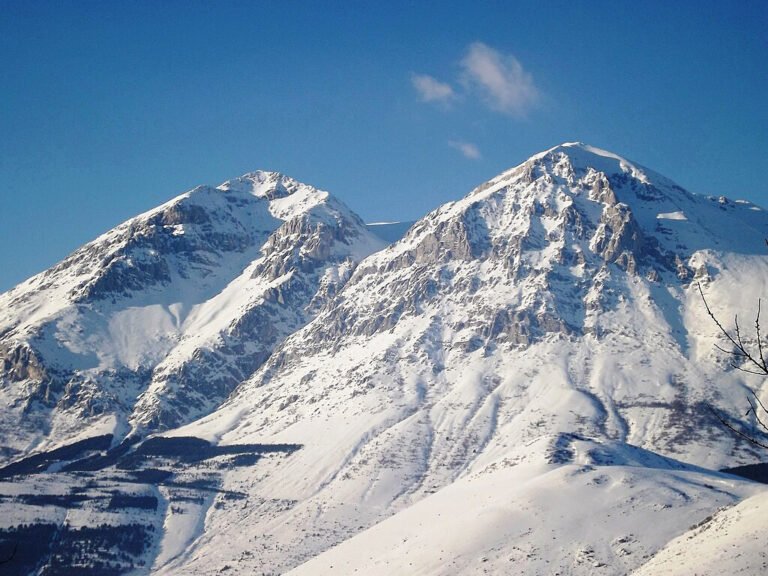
<point x="431" y="89"/>
<point x="467" y="149"/>
<point x="503" y="82"/>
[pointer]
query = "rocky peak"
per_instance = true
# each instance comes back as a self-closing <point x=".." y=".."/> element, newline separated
<point x="264" y="184"/>
<point x="540" y="249"/>
<point x="580" y="157"/>
<point x="157" y="320"/>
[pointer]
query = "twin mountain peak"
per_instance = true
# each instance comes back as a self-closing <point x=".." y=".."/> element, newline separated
<point x="182" y="310"/>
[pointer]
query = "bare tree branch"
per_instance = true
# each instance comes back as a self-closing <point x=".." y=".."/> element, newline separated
<point x="752" y="364"/>
<point x="741" y="349"/>
<point x="735" y="430"/>
<point x="753" y="409"/>
<point x="758" y="401"/>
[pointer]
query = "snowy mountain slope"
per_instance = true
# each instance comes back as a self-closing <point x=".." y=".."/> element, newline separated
<point x="519" y="385"/>
<point x="559" y="297"/>
<point x="729" y="542"/>
<point x="80" y="510"/>
<point x="155" y="322"/>
<point x="585" y="517"/>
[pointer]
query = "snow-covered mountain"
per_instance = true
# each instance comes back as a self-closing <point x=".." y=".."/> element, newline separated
<point x="558" y="298"/>
<point x="155" y="322"/>
<point x="521" y="384"/>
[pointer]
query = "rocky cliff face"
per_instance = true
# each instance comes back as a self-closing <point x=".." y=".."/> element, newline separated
<point x="536" y="250"/>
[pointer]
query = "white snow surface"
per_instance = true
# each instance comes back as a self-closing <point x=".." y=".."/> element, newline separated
<point x="732" y="541"/>
<point x="672" y="216"/>
<point x="536" y="519"/>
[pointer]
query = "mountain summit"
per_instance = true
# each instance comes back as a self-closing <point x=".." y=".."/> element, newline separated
<point x="530" y="367"/>
<point x="155" y="322"/>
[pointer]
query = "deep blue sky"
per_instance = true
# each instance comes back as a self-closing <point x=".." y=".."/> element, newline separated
<point x="110" y="108"/>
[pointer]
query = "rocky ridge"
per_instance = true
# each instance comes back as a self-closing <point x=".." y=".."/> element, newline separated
<point x="155" y="322"/>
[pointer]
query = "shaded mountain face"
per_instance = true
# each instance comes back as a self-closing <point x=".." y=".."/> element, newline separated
<point x="155" y="322"/>
<point x="528" y="357"/>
